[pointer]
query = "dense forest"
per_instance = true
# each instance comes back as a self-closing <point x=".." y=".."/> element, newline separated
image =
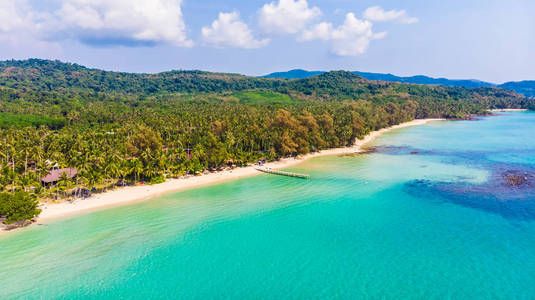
<point x="122" y="128"/>
<point x="526" y="88"/>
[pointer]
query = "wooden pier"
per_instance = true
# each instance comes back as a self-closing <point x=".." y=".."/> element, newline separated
<point x="282" y="173"/>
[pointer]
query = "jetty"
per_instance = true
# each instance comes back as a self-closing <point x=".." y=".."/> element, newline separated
<point x="282" y="173"/>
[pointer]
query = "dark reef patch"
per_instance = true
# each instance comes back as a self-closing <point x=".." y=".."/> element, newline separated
<point x="401" y="150"/>
<point x="509" y="191"/>
<point x="467" y="156"/>
<point x="363" y="151"/>
<point x="501" y="199"/>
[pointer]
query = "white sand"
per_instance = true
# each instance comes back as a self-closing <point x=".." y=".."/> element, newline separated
<point x="508" y="109"/>
<point x="133" y="194"/>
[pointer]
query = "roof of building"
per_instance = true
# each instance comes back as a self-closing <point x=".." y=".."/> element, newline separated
<point x="55" y="175"/>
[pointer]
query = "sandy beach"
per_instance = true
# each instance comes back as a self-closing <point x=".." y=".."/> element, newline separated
<point x="508" y="109"/>
<point x="127" y="195"/>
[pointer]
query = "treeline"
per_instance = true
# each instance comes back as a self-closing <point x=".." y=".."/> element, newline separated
<point x="46" y="75"/>
<point x="113" y="129"/>
<point x="23" y="120"/>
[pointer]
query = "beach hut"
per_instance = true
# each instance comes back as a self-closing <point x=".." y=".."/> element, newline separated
<point x="56" y="174"/>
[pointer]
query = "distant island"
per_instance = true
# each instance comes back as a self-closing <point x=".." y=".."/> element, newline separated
<point x="526" y="87"/>
<point x="67" y="131"/>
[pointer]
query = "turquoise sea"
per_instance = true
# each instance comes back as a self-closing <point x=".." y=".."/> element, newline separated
<point x="428" y="214"/>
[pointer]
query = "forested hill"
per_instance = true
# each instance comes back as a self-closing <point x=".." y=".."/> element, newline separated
<point x="526" y="88"/>
<point x="44" y="76"/>
<point x="419" y="79"/>
<point x="63" y="90"/>
<point x="122" y="128"/>
<point x="294" y="74"/>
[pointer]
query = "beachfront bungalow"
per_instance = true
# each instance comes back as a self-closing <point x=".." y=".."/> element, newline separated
<point x="56" y="174"/>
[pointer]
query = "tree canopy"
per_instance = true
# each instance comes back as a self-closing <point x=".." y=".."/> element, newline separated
<point x="122" y="127"/>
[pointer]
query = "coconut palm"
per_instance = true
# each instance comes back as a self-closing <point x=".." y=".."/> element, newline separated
<point x="137" y="169"/>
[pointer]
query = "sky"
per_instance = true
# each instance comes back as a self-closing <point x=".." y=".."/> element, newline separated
<point x="490" y="40"/>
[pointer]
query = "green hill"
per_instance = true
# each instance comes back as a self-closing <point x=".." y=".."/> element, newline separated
<point x="526" y="88"/>
<point x="57" y="89"/>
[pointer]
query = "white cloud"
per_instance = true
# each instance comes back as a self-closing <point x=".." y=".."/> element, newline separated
<point x="322" y="31"/>
<point x="97" y="22"/>
<point x="128" y="22"/>
<point x="378" y="14"/>
<point x="151" y="22"/>
<point x="17" y="16"/>
<point x="229" y="31"/>
<point x="12" y="15"/>
<point x="287" y="16"/>
<point x="350" y="39"/>
<point x="19" y="31"/>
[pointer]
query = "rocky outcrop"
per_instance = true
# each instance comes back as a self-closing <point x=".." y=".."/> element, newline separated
<point x="516" y="179"/>
<point x="16" y="225"/>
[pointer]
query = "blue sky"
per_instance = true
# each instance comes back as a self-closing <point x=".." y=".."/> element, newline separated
<point x="489" y="40"/>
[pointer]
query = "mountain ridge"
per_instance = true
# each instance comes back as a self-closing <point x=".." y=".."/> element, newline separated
<point x="526" y="87"/>
<point x="37" y="76"/>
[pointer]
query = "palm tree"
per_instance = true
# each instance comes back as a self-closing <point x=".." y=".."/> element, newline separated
<point x="151" y="170"/>
<point x="124" y="169"/>
<point x="113" y="164"/>
<point x="43" y="168"/>
<point x="137" y="169"/>
<point x="25" y="181"/>
<point x="92" y="178"/>
<point x="64" y="182"/>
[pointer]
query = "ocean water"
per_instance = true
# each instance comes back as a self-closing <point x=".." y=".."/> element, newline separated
<point x="427" y="214"/>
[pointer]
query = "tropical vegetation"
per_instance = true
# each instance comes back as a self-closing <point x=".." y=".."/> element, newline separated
<point x="122" y="128"/>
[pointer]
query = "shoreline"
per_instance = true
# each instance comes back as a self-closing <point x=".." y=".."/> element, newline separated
<point x="132" y="194"/>
<point x="508" y="109"/>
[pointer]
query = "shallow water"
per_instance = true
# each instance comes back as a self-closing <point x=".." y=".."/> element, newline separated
<point x="427" y="215"/>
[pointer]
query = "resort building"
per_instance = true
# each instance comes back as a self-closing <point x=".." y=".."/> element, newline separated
<point x="56" y="174"/>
